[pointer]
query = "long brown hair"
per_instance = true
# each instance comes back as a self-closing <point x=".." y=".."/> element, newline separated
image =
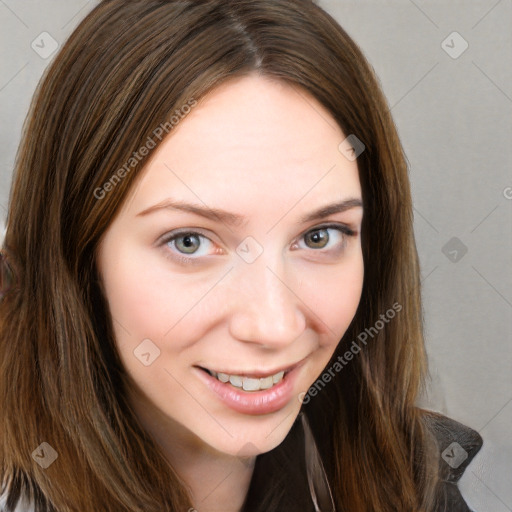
<point x="123" y="72"/>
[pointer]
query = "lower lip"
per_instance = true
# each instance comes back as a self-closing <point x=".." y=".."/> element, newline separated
<point x="253" y="402"/>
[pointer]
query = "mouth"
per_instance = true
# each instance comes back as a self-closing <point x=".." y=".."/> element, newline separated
<point x="253" y="392"/>
<point x="251" y="381"/>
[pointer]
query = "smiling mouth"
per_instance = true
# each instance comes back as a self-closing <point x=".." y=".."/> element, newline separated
<point x="248" y="382"/>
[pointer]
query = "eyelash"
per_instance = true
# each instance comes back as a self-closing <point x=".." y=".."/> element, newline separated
<point x="341" y="228"/>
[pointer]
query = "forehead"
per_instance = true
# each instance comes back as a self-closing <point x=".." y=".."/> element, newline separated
<point x="254" y="140"/>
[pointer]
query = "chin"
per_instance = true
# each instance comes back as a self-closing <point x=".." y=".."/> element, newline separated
<point x="261" y="434"/>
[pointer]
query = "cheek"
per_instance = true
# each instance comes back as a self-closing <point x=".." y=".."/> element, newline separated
<point x="336" y="294"/>
<point x="147" y="302"/>
<point x="134" y="296"/>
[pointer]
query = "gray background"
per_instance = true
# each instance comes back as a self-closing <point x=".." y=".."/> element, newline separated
<point x="453" y="113"/>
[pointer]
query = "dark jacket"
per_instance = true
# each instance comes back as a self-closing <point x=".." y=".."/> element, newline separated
<point x="458" y="445"/>
<point x="296" y="492"/>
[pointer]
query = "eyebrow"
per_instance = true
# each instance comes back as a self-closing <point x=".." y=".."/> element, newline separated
<point x="234" y="219"/>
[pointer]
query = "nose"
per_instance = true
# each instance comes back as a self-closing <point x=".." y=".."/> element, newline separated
<point x="266" y="309"/>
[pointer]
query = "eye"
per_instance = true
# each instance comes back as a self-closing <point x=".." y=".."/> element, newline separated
<point x="187" y="243"/>
<point x="319" y="237"/>
<point x="186" y="246"/>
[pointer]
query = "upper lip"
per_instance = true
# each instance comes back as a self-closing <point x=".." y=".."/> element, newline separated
<point x="258" y="373"/>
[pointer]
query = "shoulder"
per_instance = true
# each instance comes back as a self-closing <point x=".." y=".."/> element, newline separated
<point x="458" y="444"/>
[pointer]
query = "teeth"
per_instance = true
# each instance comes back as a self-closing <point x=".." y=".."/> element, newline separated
<point x="266" y="383"/>
<point x="277" y="377"/>
<point x="223" y="377"/>
<point x="249" y="383"/>
<point x="236" y="381"/>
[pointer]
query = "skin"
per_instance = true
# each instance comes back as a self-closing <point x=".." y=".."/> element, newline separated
<point x="269" y="152"/>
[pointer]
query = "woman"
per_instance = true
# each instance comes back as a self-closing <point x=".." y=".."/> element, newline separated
<point x="276" y="364"/>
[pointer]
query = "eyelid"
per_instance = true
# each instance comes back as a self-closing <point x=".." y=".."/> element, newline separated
<point x="345" y="230"/>
<point x="176" y="256"/>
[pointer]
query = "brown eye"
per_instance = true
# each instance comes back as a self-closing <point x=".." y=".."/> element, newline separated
<point x="319" y="238"/>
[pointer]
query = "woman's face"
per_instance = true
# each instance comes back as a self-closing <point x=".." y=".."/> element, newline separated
<point x="266" y="287"/>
